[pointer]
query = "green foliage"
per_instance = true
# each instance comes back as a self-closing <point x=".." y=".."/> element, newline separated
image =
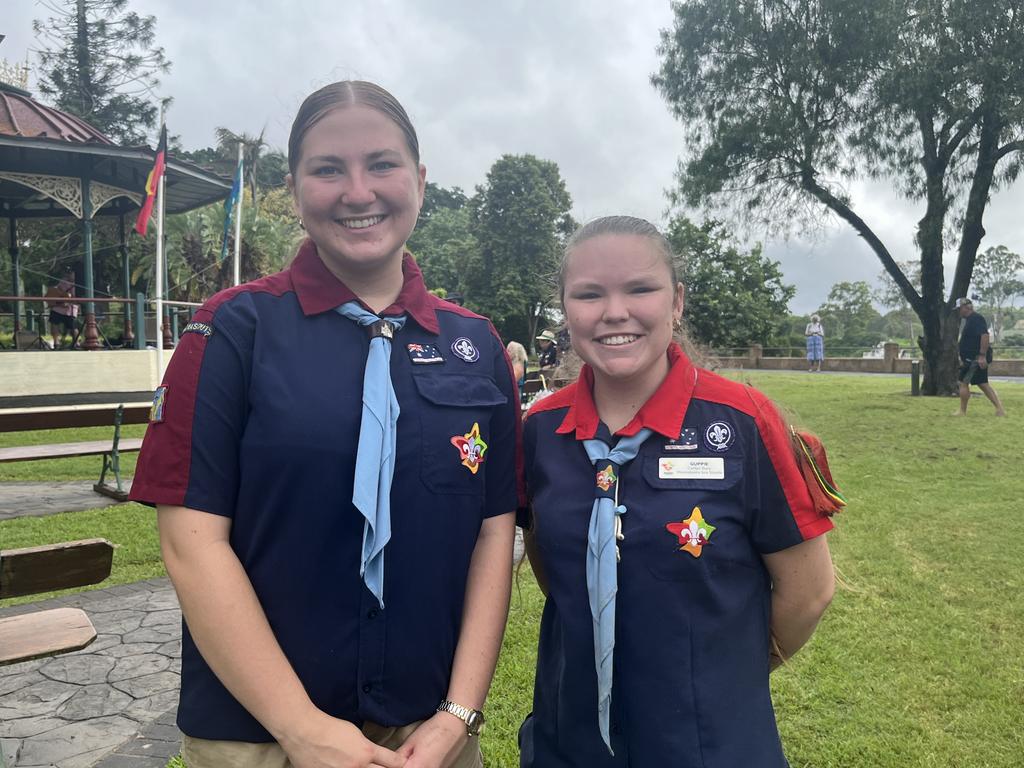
<point x="849" y="318"/>
<point x="889" y="293"/>
<point x="99" y="62"/>
<point x="733" y="298"/>
<point x="998" y="279"/>
<point x="446" y="249"/>
<point x="786" y="101"/>
<point x="426" y="240"/>
<point x="521" y="219"/>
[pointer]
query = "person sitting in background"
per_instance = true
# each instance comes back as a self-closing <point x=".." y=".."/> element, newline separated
<point x="548" y="357"/>
<point x="63" y="314"/>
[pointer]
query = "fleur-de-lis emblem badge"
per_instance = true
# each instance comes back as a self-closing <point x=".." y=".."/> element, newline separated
<point x="693" y="533"/>
<point x="719" y="436"/>
<point x="471" y="448"/>
<point x="606" y="478"/>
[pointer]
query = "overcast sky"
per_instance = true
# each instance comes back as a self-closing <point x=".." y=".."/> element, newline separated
<point x="566" y="80"/>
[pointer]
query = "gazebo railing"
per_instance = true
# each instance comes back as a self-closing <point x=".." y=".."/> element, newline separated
<point x="169" y="327"/>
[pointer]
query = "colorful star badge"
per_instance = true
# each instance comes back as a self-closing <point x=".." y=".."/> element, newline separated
<point x="606" y="478"/>
<point x="471" y="448"/>
<point x="693" y="532"/>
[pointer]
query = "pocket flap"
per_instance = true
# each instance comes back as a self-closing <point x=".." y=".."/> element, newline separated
<point x="459" y="390"/>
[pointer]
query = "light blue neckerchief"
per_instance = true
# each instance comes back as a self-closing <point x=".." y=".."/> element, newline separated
<point x="375" y="455"/>
<point x="602" y="560"/>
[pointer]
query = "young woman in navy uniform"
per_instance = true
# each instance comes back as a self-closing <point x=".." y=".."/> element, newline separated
<point x="671" y="530"/>
<point x="337" y="524"/>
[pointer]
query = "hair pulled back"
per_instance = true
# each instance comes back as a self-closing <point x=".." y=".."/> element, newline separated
<point x="347" y="93"/>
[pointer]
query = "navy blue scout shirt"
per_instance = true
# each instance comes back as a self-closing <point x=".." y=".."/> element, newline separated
<point x="713" y="489"/>
<point x="261" y="414"/>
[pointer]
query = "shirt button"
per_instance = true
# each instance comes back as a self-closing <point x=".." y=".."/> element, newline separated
<point x="367" y="688"/>
<point x="372" y="613"/>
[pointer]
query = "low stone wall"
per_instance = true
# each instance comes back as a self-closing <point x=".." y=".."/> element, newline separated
<point x="889" y="364"/>
<point x="64" y="372"/>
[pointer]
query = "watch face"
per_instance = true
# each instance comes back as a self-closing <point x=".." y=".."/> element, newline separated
<point x="475" y="723"/>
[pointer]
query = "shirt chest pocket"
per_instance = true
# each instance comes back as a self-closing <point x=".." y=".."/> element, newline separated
<point x="455" y="424"/>
<point x="694" y="530"/>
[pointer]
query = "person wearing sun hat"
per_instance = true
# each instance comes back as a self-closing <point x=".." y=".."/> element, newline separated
<point x="975" y="356"/>
<point x="548" y="357"/>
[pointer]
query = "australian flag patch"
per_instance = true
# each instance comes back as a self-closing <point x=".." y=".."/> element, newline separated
<point x="687" y="441"/>
<point x="424" y="354"/>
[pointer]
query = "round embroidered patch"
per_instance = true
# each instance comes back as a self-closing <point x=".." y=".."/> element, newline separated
<point x="719" y="436"/>
<point x="464" y="349"/>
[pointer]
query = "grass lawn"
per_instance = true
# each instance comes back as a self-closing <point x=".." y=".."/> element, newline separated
<point x="920" y="660"/>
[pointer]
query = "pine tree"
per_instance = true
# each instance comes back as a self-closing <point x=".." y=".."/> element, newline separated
<point x="99" y="62"/>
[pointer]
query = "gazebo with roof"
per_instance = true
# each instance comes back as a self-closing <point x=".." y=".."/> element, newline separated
<point x="55" y="165"/>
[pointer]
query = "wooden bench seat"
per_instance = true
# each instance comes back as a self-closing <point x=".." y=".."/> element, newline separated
<point x="111" y="452"/>
<point x="66" y="416"/>
<point x="65" y="450"/>
<point x="33" y="570"/>
<point x="44" y="633"/>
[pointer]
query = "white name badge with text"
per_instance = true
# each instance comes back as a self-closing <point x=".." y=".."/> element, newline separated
<point x="679" y="468"/>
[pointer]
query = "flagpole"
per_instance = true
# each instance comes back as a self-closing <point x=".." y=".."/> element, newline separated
<point x="160" y="269"/>
<point x="238" y="219"/>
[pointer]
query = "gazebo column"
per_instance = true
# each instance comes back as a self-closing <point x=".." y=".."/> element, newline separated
<point x="129" y="337"/>
<point x="90" y="333"/>
<point x="12" y="248"/>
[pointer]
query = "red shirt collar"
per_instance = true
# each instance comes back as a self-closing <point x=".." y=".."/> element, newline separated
<point x="663" y="412"/>
<point x="319" y="290"/>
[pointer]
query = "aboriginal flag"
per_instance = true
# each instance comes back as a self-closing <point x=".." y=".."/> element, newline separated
<point x="152" y="183"/>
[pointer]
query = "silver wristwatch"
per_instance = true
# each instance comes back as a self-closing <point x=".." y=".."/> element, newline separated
<point x="473" y="718"/>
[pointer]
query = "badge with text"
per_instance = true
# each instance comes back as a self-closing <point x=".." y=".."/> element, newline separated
<point x="687" y="441"/>
<point x="424" y="354"/>
<point x="693" y="533"/>
<point x="471" y="448"/>
<point x="464" y="349"/>
<point x="156" y="411"/>
<point x="719" y="436"/>
<point x="678" y="468"/>
<point x="203" y="329"/>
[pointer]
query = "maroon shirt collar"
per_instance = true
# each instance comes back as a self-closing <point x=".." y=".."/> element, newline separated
<point x="320" y="291"/>
<point x="663" y="412"/>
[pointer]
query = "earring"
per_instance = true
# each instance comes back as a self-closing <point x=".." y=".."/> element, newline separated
<point x="301" y="225"/>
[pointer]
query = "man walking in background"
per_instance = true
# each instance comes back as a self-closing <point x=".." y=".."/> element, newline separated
<point x="975" y="355"/>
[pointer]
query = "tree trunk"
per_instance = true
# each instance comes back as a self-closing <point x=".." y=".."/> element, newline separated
<point x="941" y="363"/>
<point x="84" y="65"/>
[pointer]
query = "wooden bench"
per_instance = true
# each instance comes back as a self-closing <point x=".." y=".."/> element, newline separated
<point x="111" y="452"/>
<point x="33" y="570"/>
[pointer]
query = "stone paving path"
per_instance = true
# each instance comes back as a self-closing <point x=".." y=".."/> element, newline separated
<point x="38" y="499"/>
<point x="103" y="705"/>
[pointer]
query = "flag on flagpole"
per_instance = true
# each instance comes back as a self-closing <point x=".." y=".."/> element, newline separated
<point x="229" y="206"/>
<point x="152" y="182"/>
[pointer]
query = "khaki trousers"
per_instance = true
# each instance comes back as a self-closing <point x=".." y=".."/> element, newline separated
<point x="203" y="753"/>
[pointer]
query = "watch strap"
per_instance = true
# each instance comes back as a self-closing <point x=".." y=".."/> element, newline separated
<point x="473" y="718"/>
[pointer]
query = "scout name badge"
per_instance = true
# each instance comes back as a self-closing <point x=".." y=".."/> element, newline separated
<point x="813" y="465"/>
